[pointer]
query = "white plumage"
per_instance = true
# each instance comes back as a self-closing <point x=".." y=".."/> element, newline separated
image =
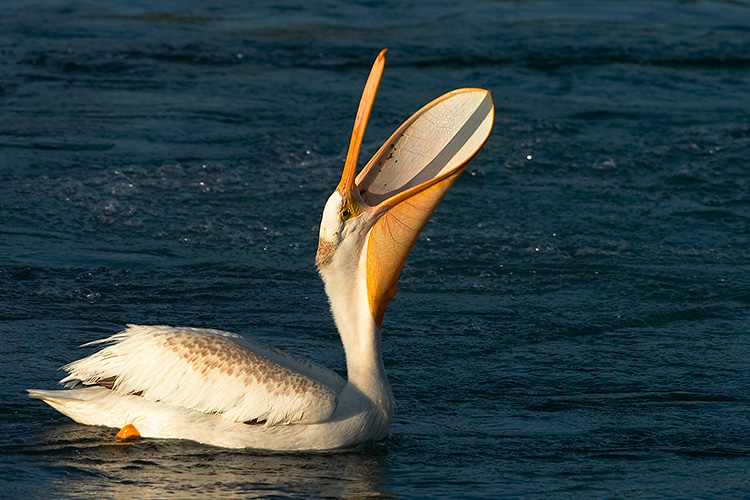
<point x="210" y="371"/>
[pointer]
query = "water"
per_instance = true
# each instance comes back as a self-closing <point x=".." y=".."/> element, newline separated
<point x="573" y="323"/>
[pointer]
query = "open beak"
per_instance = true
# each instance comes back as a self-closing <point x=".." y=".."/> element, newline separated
<point x="404" y="182"/>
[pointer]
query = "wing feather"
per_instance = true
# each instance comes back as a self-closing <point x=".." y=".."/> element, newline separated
<point x="212" y="372"/>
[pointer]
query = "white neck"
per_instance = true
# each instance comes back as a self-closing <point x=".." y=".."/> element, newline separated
<point x="345" y="284"/>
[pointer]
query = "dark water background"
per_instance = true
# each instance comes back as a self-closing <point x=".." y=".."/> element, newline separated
<point x="573" y="323"/>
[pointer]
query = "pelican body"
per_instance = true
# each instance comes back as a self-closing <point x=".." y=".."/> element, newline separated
<point x="217" y="388"/>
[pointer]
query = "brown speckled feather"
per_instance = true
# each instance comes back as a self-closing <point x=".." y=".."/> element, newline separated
<point x="210" y="371"/>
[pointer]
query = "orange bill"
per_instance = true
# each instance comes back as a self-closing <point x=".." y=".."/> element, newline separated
<point x="408" y="177"/>
<point x="360" y="123"/>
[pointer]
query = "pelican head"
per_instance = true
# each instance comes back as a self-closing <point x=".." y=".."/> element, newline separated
<point x="372" y="220"/>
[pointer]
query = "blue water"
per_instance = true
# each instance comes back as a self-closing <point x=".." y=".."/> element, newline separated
<point x="573" y="323"/>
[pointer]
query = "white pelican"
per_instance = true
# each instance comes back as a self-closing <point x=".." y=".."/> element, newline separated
<point x="216" y="388"/>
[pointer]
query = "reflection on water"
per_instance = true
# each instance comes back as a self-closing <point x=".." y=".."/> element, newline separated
<point x="89" y="464"/>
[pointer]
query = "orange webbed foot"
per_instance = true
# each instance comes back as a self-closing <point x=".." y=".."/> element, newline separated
<point x="128" y="433"/>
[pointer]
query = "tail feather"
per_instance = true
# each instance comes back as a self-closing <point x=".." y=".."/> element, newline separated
<point x="59" y="397"/>
<point x="86" y="406"/>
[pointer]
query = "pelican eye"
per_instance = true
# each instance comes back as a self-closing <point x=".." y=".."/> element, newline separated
<point x="350" y="209"/>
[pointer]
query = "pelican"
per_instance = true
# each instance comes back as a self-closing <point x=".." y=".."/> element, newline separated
<point x="217" y="388"/>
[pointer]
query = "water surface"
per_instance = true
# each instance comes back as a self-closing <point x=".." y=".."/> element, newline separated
<point x="573" y="323"/>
